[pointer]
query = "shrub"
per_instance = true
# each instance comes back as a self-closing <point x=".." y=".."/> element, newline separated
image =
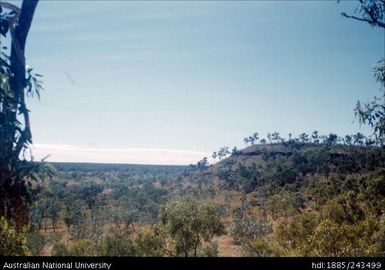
<point x="35" y="242"/>
<point x="13" y="241"/>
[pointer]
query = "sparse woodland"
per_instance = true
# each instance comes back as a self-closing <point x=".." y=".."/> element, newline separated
<point x="286" y="198"/>
<point x="309" y="195"/>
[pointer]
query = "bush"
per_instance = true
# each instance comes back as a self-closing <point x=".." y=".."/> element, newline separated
<point x="259" y="248"/>
<point x="35" y="242"/>
<point x="82" y="248"/>
<point x="211" y="250"/>
<point x="60" y="249"/>
<point x="117" y="245"/>
<point x="77" y="248"/>
<point x="188" y="223"/>
<point x="150" y="243"/>
<point x="13" y="242"/>
<point x="332" y="239"/>
<point x="249" y="228"/>
<point x="53" y="237"/>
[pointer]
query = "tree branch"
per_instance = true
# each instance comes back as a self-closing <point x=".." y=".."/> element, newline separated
<point x="367" y="12"/>
<point x="356" y="18"/>
<point x="370" y="13"/>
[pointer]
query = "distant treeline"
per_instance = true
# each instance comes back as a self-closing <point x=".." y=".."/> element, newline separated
<point x="69" y="166"/>
<point x="331" y="139"/>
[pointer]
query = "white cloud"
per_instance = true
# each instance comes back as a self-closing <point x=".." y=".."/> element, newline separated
<point x="71" y="153"/>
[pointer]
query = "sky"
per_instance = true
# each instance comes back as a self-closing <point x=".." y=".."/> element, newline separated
<point x="158" y="82"/>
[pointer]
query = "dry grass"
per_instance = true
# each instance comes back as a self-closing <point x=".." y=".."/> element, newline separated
<point x="227" y="248"/>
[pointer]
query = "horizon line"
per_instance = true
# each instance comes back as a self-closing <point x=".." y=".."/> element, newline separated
<point x="139" y="156"/>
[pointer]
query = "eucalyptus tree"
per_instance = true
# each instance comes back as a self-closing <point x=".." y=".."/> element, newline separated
<point x="214" y="155"/>
<point x="36" y="215"/>
<point x="53" y="210"/>
<point x="246" y="140"/>
<point x="16" y="82"/>
<point x="251" y="140"/>
<point x="373" y="113"/>
<point x="223" y="152"/>
<point x="256" y="137"/>
<point x="348" y="140"/>
<point x="315" y="136"/>
<point x="203" y="163"/>
<point x="74" y="213"/>
<point x="188" y="223"/>
<point x="269" y="137"/>
<point x="303" y="137"/>
<point x="332" y="139"/>
<point x="358" y="139"/>
<point x="235" y="151"/>
<point x="323" y="138"/>
<point x="369" y="142"/>
<point x="276" y="138"/>
<point x="369" y="11"/>
<point x="90" y="194"/>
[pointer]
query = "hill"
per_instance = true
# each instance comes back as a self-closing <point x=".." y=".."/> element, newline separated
<point x="299" y="198"/>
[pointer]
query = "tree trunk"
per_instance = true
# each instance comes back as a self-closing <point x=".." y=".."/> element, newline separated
<point x="19" y="37"/>
<point x="133" y="227"/>
<point x="197" y="241"/>
<point x="13" y="138"/>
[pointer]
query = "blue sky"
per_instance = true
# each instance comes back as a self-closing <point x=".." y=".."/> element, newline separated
<point x="194" y="76"/>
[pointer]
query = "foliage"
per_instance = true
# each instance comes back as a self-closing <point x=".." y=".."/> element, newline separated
<point x="188" y="223"/>
<point x="332" y="239"/>
<point x="202" y="164"/>
<point x="60" y="249"/>
<point x="35" y="242"/>
<point x="88" y="229"/>
<point x="153" y="242"/>
<point x="76" y="248"/>
<point x="211" y="250"/>
<point x="16" y="82"/>
<point x="117" y="245"/>
<point x="249" y="228"/>
<point x="260" y="248"/>
<point x="292" y="235"/>
<point x="373" y="113"/>
<point x="223" y="152"/>
<point x="369" y="11"/>
<point x="74" y="213"/>
<point x="53" y="237"/>
<point x="13" y="241"/>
